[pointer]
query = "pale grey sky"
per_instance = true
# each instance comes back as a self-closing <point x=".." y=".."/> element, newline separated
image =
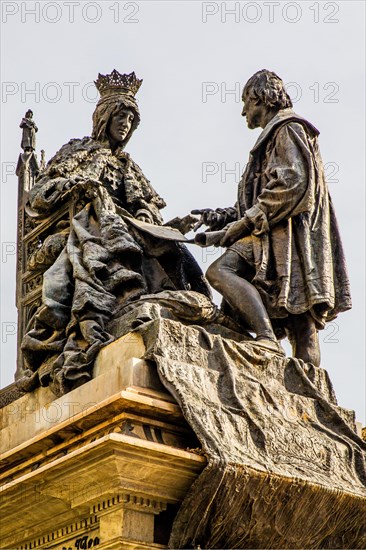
<point x="192" y="142"/>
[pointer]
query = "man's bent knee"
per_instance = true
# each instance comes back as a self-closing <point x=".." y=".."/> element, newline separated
<point x="228" y="264"/>
<point x="213" y="274"/>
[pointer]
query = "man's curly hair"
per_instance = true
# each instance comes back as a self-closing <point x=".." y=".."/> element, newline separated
<point x="269" y="89"/>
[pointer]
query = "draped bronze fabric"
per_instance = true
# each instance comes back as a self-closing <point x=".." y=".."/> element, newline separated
<point x="105" y="264"/>
<point x="286" y="468"/>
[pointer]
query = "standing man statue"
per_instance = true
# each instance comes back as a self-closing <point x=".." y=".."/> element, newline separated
<point x="284" y="271"/>
<point x="29" y="128"/>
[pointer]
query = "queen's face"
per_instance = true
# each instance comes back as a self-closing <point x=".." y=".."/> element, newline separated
<point x="120" y="125"/>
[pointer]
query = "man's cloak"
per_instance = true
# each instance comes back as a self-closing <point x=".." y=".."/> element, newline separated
<point x="295" y="246"/>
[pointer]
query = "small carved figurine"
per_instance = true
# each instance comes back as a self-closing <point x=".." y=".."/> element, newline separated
<point x="29" y="132"/>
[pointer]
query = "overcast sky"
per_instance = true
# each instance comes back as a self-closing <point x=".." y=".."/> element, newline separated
<point x="192" y="143"/>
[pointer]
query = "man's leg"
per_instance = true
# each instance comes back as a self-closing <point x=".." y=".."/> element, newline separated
<point x="228" y="276"/>
<point x="304" y="338"/>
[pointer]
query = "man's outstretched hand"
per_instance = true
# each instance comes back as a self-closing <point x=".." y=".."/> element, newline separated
<point x="235" y="231"/>
<point x="209" y="217"/>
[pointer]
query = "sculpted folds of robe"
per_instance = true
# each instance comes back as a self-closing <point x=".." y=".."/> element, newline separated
<point x="98" y="264"/>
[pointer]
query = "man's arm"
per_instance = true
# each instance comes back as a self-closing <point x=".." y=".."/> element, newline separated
<point x="216" y="219"/>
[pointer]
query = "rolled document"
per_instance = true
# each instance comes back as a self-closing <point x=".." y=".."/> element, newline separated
<point x="211" y="238"/>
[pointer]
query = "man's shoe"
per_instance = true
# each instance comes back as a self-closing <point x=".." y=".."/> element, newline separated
<point x="270" y="345"/>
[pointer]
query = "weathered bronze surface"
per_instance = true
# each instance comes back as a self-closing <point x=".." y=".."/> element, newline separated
<point x="284" y="270"/>
<point x="286" y="468"/>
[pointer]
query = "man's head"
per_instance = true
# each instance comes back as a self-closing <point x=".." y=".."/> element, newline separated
<point x="29" y="114"/>
<point x="263" y="95"/>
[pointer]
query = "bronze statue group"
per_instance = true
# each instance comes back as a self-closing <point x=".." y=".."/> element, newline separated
<point x="283" y="272"/>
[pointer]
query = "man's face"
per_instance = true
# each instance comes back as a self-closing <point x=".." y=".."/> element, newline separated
<point x="253" y="110"/>
<point x="120" y="125"/>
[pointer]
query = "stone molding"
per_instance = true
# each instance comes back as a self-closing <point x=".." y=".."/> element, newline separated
<point x="131" y="501"/>
<point x="66" y="481"/>
<point x="58" y="493"/>
<point x="62" y="535"/>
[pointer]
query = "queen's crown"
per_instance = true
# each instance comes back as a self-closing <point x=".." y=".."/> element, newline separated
<point x="116" y="82"/>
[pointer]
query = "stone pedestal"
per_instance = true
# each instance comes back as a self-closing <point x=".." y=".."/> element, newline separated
<point x="104" y="466"/>
<point x="108" y="464"/>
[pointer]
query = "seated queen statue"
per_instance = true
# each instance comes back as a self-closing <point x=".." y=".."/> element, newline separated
<point x="99" y="261"/>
